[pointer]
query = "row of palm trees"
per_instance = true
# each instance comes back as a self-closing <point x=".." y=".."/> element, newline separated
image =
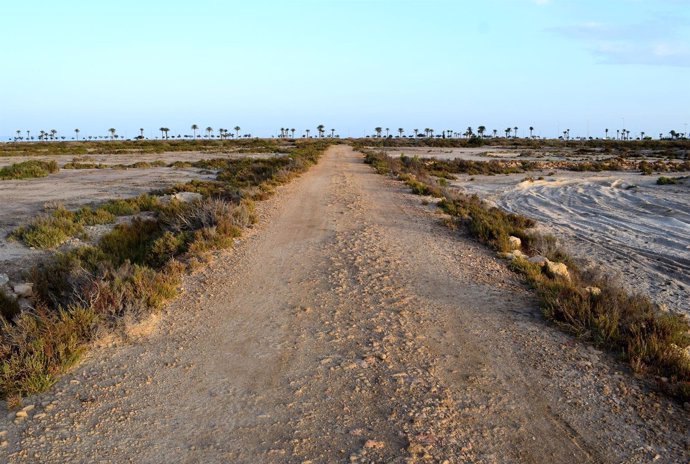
<point x="450" y="133"/>
<point x="52" y="135"/>
<point x="223" y="134"/>
<point x="512" y="132"/>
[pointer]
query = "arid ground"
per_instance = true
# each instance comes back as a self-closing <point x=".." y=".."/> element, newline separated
<point x="349" y="326"/>
<point x="24" y="199"/>
<point x="638" y="230"/>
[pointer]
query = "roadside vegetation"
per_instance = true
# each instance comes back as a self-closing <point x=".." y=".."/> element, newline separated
<point x="582" y="302"/>
<point x="28" y="169"/>
<point x="670" y="180"/>
<point x="131" y="271"/>
<point x="252" y="145"/>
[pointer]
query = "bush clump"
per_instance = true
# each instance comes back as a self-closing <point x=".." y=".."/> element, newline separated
<point x="28" y="169"/>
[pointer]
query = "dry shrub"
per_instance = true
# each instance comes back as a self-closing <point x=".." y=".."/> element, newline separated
<point x="39" y="347"/>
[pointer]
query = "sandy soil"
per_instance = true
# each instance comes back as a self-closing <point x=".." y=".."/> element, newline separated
<point x="487" y="153"/>
<point x="130" y="158"/>
<point x="622" y="220"/>
<point x="350" y="326"/>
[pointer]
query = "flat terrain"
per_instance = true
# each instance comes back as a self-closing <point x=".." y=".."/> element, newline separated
<point x="129" y="158"/>
<point x="349" y="326"/>
<point x="22" y="200"/>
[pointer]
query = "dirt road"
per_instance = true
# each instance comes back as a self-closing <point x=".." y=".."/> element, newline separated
<point x="350" y="326"/>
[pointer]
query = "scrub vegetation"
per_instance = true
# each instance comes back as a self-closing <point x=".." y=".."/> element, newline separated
<point x="584" y="302"/>
<point x="132" y="270"/>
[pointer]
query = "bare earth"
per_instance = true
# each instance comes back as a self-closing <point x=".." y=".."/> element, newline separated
<point x="639" y="230"/>
<point x="350" y="326"/>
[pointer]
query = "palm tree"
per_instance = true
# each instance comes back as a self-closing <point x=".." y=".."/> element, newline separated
<point x="416" y="131"/>
<point x="515" y="133"/>
<point x="401" y="131"/>
<point x="495" y="133"/>
<point x="112" y="133"/>
<point x="237" y="129"/>
<point x="642" y="135"/>
<point x="531" y="129"/>
<point x="378" y="131"/>
<point x="469" y="132"/>
<point x="307" y="131"/>
<point x="194" y="129"/>
<point x="19" y="134"/>
<point x="673" y="134"/>
<point x="141" y="132"/>
<point x="332" y="133"/>
<point x="320" y="128"/>
<point x="607" y="133"/>
<point x="76" y="132"/>
<point x="618" y="134"/>
<point x="507" y="131"/>
<point x="481" y="130"/>
<point x="209" y="131"/>
<point x="293" y="133"/>
<point x="387" y="132"/>
<point x="53" y="134"/>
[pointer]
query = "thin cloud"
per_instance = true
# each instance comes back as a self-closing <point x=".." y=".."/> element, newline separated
<point x="653" y="42"/>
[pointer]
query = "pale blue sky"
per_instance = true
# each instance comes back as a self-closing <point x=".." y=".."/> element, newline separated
<point x="348" y="64"/>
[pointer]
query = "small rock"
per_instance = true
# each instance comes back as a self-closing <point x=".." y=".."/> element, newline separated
<point x="539" y="260"/>
<point x="371" y="444"/>
<point x="4" y="279"/>
<point x="515" y="242"/>
<point x="22" y="414"/>
<point x="4" y="444"/>
<point x="188" y="197"/>
<point x="25" y="290"/>
<point x="557" y="270"/>
<point x="28" y="408"/>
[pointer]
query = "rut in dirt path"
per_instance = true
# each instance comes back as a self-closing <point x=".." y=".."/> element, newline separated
<point x="350" y="327"/>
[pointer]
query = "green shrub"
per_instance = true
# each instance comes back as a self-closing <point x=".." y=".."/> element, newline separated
<point x="39" y="347"/>
<point x="130" y="242"/>
<point x="49" y="231"/>
<point x="90" y="217"/>
<point x="28" y="169"/>
<point x="668" y="181"/>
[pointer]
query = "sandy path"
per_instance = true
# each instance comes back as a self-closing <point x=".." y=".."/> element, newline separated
<point x="349" y="327"/>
